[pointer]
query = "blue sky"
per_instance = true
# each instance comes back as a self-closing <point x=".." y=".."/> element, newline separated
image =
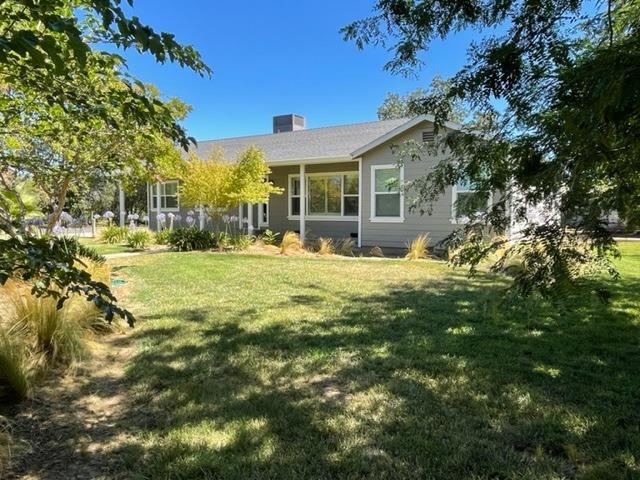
<point x="277" y="57"/>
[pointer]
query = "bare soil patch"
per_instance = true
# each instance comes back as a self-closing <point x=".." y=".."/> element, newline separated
<point x="73" y="426"/>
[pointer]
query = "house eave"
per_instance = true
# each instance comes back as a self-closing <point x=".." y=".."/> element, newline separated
<point x="309" y="161"/>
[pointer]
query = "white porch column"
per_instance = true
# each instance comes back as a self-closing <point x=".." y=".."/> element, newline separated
<point x="240" y="223"/>
<point x="121" y="205"/>
<point x="360" y="203"/>
<point x="201" y="217"/>
<point x="303" y="201"/>
<point x="158" y="209"/>
<point x="250" y="218"/>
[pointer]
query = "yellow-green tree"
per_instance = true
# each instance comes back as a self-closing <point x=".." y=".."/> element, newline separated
<point x="219" y="185"/>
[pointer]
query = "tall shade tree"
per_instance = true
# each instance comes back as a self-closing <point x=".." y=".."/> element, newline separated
<point x="219" y="185"/>
<point x="410" y="105"/>
<point x="62" y="150"/>
<point x="54" y="78"/>
<point x="554" y="88"/>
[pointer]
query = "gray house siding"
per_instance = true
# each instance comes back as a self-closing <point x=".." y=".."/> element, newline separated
<point x="438" y="225"/>
<point x="279" y="206"/>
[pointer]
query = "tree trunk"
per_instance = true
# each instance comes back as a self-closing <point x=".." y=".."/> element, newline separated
<point x="61" y="198"/>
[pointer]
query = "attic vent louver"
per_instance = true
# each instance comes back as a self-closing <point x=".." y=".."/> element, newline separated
<point x="428" y="136"/>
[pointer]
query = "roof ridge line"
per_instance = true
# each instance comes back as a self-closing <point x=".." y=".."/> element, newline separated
<point x="302" y="130"/>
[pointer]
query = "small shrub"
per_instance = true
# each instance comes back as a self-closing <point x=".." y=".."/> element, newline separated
<point x="290" y="240"/>
<point x="346" y="246"/>
<point x="139" y="239"/>
<point x="162" y="237"/>
<point x="241" y="242"/>
<point x="376" y="252"/>
<point x="325" y="246"/>
<point x="114" y="234"/>
<point x="191" y="238"/>
<point x="418" y="247"/>
<point x="223" y="241"/>
<point x="269" y="237"/>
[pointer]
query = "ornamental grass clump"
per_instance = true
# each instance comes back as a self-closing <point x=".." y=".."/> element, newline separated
<point x="325" y="246"/>
<point x="114" y="234"/>
<point x="16" y="368"/>
<point x="57" y="333"/>
<point x="290" y="241"/>
<point x="139" y="239"/>
<point x="345" y="247"/>
<point x="418" y="248"/>
<point x="35" y="335"/>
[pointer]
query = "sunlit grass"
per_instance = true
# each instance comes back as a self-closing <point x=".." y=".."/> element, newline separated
<point x="104" y="248"/>
<point x="300" y="367"/>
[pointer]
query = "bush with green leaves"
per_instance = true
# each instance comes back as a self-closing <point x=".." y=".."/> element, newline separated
<point x="269" y="237"/>
<point x="114" y="234"/>
<point x="191" y="238"/>
<point x="139" y="239"/>
<point x="162" y="237"/>
<point x="241" y="242"/>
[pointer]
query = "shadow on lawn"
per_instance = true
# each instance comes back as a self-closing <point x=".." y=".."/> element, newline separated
<point x="429" y="380"/>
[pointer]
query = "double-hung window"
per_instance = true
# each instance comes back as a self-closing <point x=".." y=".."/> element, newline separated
<point x="328" y="195"/>
<point x="387" y="199"/>
<point x="466" y="200"/>
<point x="294" y="195"/>
<point x="168" y="195"/>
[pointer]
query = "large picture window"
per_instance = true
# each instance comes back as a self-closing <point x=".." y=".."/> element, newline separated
<point x="328" y="195"/>
<point x="168" y="195"/>
<point x="387" y="202"/>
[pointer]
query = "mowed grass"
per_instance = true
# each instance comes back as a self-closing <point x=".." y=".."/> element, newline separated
<point x="304" y="368"/>
<point x="104" y="248"/>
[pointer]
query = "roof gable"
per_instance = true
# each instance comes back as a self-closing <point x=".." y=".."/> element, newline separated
<point x="399" y="130"/>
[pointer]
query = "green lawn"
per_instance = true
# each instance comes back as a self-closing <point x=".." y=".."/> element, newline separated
<point x="104" y="248"/>
<point x="303" y="368"/>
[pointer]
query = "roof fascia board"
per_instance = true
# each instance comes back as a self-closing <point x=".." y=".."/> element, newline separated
<point x="309" y="161"/>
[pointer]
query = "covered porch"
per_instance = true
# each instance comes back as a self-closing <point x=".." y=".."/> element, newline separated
<point x="326" y="204"/>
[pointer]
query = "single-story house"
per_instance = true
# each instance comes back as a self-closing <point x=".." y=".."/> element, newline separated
<point x="335" y="181"/>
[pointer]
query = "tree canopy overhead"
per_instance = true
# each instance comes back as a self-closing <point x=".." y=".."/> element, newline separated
<point x="69" y="110"/>
<point x="554" y="89"/>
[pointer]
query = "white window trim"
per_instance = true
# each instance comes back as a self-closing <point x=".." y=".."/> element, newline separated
<point x="266" y="206"/>
<point x="319" y="218"/>
<point x="373" y="218"/>
<point x="154" y="196"/>
<point x="454" y="198"/>
<point x="261" y="222"/>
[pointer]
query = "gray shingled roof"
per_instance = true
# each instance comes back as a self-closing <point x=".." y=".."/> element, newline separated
<point x="329" y="142"/>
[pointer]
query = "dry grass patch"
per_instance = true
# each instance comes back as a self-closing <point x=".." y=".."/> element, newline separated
<point x="345" y="247"/>
<point x="418" y="248"/>
<point x="36" y="335"/>
<point x="325" y="246"/>
<point x="291" y="243"/>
